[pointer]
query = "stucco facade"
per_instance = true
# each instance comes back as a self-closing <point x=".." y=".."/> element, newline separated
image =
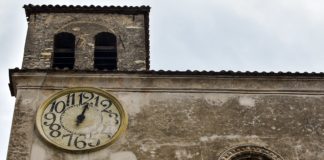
<point x="184" y="116"/>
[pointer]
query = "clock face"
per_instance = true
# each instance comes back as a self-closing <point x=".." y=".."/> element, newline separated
<point x="81" y="119"/>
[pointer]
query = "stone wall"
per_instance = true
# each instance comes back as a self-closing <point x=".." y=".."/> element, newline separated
<point x="129" y="30"/>
<point x="185" y="117"/>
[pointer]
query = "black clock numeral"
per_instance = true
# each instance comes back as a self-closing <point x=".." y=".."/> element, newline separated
<point x="80" y="143"/>
<point x="106" y="104"/>
<point x="97" y="101"/>
<point x="114" y="115"/>
<point x="70" y="138"/>
<point x="93" y="141"/>
<point x="85" y="97"/>
<point x="94" y="145"/>
<point x="49" y="116"/>
<point x="70" y="98"/>
<point x="55" y="130"/>
<point x="58" y="107"/>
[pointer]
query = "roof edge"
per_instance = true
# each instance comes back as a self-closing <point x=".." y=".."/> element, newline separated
<point x="32" y="9"/>
<point x="176" y="72"/>
<point x="10" y="84"/>
<point x="230" y="74"/>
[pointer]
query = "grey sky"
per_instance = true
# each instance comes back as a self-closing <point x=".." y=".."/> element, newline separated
<point x="239" y="35"/>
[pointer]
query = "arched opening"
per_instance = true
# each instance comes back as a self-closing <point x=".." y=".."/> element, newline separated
<point x="64" y="45"/>
<point x="105" y="54"/>
<point x="249" y="152"/>
<point x="250" y="156"/>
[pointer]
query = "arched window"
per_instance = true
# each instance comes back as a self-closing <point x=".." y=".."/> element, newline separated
<point x="105" y="54"/>
<point x="249" y="152"/>
<point x="64" y="45"/>
<point x="251" y="156"/>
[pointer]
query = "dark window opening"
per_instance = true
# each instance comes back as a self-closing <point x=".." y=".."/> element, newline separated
<point x="105" y="54"/>
<point x="250" y="156"/>
<point x="64" y="45"/>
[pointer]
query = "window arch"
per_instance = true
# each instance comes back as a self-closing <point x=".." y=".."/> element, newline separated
<point x="249" y="152"/>
<point x="105" y="54"/>
<point x="251" y="156"/>
<point x="64" y="46"/>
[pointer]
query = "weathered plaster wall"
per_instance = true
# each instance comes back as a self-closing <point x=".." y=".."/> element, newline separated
<point x="185" y="117"/>
<point x="129" y="30"/>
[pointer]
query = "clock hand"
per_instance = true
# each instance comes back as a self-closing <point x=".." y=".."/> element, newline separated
<point x="81" y="116"/>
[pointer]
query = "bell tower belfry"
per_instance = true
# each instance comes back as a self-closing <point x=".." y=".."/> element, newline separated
<point x="87" y="38"/>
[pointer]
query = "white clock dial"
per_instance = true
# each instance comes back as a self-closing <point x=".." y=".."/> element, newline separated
<point x="81" y="119"/>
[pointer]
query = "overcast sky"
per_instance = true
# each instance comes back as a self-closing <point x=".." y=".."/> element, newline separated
<point x="239" y="35"/>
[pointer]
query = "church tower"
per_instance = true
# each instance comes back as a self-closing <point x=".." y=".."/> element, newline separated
<point x="71" y="43"/>
<point x="85" y="92"/>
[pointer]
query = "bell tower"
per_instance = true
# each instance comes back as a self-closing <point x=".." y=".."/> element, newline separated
<point x="75" y="48"/>
<point x="87" y="38"/>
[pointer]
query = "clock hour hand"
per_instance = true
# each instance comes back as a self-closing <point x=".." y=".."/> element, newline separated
<point x="81" y="116"/>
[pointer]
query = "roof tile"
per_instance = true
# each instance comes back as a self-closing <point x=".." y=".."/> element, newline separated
<point x="30" y="9"/>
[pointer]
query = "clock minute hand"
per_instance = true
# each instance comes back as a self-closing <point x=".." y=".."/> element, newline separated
<point x="81" y="116"/>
